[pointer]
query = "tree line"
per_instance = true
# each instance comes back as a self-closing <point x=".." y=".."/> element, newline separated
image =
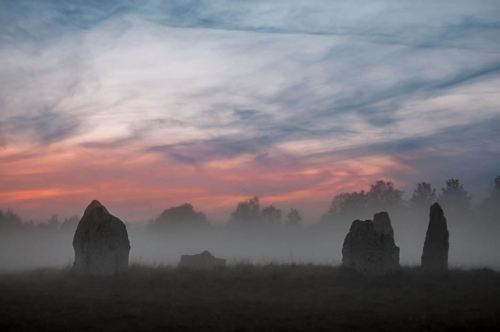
<point x="381" y="196"/>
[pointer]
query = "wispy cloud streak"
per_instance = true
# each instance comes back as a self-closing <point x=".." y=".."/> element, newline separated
<point x="258" y="87"/>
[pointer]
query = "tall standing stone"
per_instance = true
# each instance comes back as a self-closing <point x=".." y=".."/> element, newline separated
<point x="383" y="228"/>
<point x="436" y="246"/>
<point x="369" y="247"/>
<point x="101" y="243"/>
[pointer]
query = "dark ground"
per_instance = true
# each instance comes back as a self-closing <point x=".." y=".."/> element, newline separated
<point x="250" y="298"/>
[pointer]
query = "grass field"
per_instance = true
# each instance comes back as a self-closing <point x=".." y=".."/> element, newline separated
<point x="250" y="298"/>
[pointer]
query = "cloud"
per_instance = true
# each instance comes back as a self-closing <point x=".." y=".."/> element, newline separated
<point x="255" y="87"/>
<point x="198" y="151"/>
<point x="43" y="127"/>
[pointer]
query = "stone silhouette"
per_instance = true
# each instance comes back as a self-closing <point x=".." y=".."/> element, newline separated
<point x="101" y="243"/>
<point x="202" y="261"/>
<point x="369" y="246"/>
<point x="435" y="253"/>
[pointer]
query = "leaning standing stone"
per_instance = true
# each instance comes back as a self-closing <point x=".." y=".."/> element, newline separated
<point x="369" y="246"/>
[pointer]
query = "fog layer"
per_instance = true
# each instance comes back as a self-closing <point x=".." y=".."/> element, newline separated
<point x="258" y="234"/>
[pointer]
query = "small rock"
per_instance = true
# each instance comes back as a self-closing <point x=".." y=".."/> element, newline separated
<point x="202" y="261"/>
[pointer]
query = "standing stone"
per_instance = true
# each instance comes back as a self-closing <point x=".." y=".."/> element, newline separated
<point x="435" y="253"/>
<point x="383" y="227"/>
<point x="101" y="243"/>
<point x="369" y="246"/>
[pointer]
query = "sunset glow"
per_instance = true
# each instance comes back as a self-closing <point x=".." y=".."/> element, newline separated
<point x="144" y="108"/>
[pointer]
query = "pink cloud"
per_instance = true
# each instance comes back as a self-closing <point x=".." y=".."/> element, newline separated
<point x="138" y="186"/>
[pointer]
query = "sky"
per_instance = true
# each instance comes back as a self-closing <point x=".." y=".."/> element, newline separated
<point x="149" y="104"/>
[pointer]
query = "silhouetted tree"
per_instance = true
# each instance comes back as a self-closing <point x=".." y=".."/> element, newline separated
<point x="423" y="196"/>
<point x="181" y="216"/>
<point x="293" y="217"/>
<point x="10" y="221"/>
<point x="69" y="224"/>
<point x="354" y="205"/>
<point x="247" y="212"/>
<point x="51" y="225"/>
<point x="271" y="215"/>
<point x="345" y="204"/>
<point x="382" y="195"/>
<point x="454" y="198"/>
